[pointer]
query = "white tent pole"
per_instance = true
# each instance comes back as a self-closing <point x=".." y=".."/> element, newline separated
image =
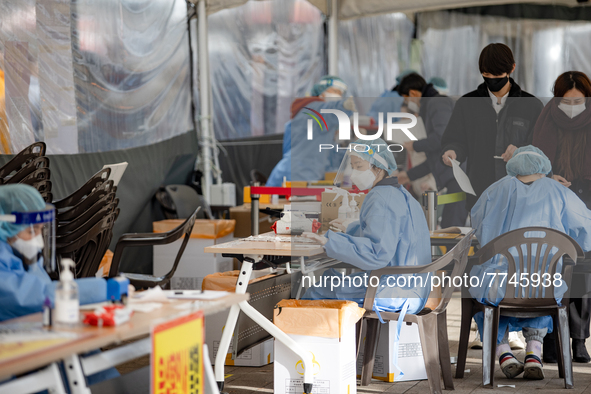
<point x="333" y="39"/>
<point x="204" y="100"/>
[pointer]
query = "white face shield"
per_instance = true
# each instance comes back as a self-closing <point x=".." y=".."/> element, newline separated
<point x="358" y="167"/>
<point x="37" y="239"/>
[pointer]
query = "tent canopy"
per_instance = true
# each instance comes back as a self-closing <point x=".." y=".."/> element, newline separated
<point x="214" y="6"/>
<point x="351" y="9"/>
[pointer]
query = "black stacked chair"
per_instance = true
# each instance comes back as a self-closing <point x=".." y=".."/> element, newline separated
<point x="31" y="167"/>
<point x="85" y="222"/>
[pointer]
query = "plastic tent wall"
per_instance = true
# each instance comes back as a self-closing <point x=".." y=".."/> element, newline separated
<point x="543" y="49"/>
<point x="92" y="76"/>
<point x="372" y="52"/>
<point x="262" y="54"/>
<point x="101" y="82"/>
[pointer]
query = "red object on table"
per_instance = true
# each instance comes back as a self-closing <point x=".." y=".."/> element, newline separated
<point x="287" y="191"/>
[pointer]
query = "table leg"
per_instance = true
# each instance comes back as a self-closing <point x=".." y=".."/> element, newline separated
<point x="76" y="379"/>
<point x="254" y="214"/>
<point x="209" y="380"/>
<point x="47" y="378"/>
<point x="220" y="357"/>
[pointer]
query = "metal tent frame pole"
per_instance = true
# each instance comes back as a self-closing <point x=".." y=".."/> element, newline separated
<point x="205" y="115"/>
<point x="333" y="39"/>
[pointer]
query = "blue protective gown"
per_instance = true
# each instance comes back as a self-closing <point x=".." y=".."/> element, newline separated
<point x="302" y="160"/>
<point x="509" y="204"/>
<point x="389" y="101"/>
<point x="23" y="292"/>
<point x="391" y="232"/>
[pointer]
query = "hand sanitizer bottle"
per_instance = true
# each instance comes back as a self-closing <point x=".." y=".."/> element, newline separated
<point x="354" y="209"/>
<point x="67" y="304"/>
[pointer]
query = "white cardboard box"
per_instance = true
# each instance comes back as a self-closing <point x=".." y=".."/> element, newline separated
<point x="410" y="354"/>
<point x="334" y="365"/>
<point x="195" y="263"/>
<point x="259" y="355"/>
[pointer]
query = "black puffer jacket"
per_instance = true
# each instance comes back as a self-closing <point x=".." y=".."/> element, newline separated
<point x="476" y="133"/>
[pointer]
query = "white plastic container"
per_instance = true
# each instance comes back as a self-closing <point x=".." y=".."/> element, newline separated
<point x="345" y="208"/>
<point x="67" y="303"/>
<point x="354" y="209"/>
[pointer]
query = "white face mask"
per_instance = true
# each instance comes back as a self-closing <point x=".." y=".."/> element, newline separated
<point x="414" y="107"/>
<point x="572" y="110"/>
<point x="363" y="179"/>
<point x="329" y="96"/>
<point x="29" y="249"/>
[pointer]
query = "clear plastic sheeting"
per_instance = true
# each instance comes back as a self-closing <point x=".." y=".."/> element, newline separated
<point x="262" y="54"/>
<point x="372" y="52"/>
<point x="18" y="45"/>
<point x="90" y="76"/>
<point x="543" y="49"/>
<point x="131" y="70"/>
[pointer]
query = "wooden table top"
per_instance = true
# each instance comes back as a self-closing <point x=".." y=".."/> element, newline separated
<point x="91" y="338"/>
<point x="246" y="246"/>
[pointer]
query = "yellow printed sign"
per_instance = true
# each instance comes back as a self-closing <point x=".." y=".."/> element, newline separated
<point x="177" y="356"/>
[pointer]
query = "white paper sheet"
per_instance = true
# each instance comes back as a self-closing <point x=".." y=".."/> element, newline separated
<point x="117" y="171"/>
<point x="462" y="178"/>
<point x="195" y="294"/>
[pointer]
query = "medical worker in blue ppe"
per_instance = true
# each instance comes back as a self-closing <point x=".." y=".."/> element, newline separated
<point x="524" y="198"/>
<point x="389" y="101"/>
<point x="391" y="231"/>
<point x="302" y="160"/>
<point x="24" y="283"/>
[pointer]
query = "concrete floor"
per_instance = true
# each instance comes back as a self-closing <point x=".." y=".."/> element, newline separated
<point x="245" y="380"/>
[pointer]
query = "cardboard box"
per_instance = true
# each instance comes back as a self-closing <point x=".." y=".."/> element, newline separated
<point x="257" y="356"/>
<point x="330" y="176"/>
<point x="410" y="355"/>
<point x="331" y="340"/>
<point x="263" y="199"/>
<point x="195" y="264"/>
<point x="241" y="215"/>
<point x="330" y="208"/>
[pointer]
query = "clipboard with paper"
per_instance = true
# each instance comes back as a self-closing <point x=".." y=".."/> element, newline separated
<point x="462" y="178"/>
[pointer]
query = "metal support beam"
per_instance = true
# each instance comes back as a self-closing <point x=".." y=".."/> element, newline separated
<point x="333" y="39"/>
<point x="205" y="115"/>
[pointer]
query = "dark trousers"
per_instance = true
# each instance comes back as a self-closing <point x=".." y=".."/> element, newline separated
<point x="580" y="317"/>
<point x="454" y="214"/>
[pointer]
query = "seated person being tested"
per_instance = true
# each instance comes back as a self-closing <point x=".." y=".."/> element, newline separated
<point x="24" y="283"/>
<point x="391" y="231"/>
<point x="524" y="198"/>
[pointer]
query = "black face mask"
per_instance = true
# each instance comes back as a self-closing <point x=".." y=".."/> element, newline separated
<point x="496" y="84"/>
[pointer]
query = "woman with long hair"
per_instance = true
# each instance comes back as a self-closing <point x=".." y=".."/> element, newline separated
<point x="563" y="133"/>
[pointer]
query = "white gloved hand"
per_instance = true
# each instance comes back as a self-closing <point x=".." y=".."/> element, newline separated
<point x="342" y="224"/>
<point x="320" y="239"/>
<point x="349" y="104"/>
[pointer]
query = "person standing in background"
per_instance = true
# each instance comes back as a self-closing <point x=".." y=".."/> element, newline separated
<point x="562" y="133"/>
<point x="435" y="110"/>
<point x="493" y="120"/>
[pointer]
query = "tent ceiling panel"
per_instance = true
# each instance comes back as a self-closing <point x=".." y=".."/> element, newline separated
<point x="351" y="9"/>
